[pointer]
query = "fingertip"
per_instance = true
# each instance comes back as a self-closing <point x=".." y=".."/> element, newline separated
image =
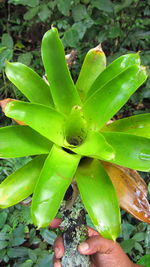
<point x="92" y="232"/>
<point x="58" y="242"/>
<point x="59" y="247"/>
<point x="57" y="263"/>
<point x="55" y="223"/>
<point x="83" y="247"/>
<point x="58" y="252"/>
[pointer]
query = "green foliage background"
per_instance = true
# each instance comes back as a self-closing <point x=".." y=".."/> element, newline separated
<point x="122" y="26"/>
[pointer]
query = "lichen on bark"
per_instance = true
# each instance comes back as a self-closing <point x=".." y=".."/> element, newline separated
<point x="74" y="232"/>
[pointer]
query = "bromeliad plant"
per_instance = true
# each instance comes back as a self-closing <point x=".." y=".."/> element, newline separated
<point x="65" y="123"/>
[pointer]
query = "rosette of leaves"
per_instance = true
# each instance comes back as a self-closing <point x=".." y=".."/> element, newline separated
<point x="65" y="126"/>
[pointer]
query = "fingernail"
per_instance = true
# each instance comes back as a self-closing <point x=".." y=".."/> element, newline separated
<point x="83" y="247"/>
<point x="57" y="264"/>
<point x="57" y="253"/>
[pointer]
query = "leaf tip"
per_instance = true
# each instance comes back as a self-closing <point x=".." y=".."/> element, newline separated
<point x="4" y="102"/>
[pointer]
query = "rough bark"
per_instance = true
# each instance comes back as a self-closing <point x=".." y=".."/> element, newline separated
<point x="75" y="232"/>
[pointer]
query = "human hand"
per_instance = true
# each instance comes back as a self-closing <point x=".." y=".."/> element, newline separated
<point x="104" y="253"/>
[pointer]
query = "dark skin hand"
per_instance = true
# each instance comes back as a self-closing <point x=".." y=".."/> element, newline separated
<point x="104" y="253"/>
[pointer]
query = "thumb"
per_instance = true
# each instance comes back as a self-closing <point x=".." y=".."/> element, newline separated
<point x="98" y="244"/>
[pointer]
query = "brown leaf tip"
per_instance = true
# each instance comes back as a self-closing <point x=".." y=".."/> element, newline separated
<point x="4" y="102"/>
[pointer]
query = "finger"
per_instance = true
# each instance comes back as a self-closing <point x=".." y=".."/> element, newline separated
<point x="93" y="261"/>
<point x="56" y="262"/>
<point x="92" y="232"/>
<point x="92" y="265"/>
<point x="59" y="247"/>
<point x="97" y="244"/>
<point x="55" y="223"/>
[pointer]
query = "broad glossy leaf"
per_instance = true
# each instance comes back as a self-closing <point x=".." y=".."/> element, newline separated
<point x="137" y="125"/>
<point x="131" y="151"/>
<point x="99" y="197"/>
<point x="96" y="146"/>
<point x="45" y="120"/>
<point x="113" y="70"/>
<point x="20" y="141"/>
<point x="131" y="197"/>
<point x="63" y="90"/>
<point x="94" y="63"/>
<point x="20" y="184"/>
<point x="55" y="177"/>
<point x="29" y="83"/>
<point x="103" y="104"/>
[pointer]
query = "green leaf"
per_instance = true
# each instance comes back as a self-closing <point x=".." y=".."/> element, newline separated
<point x="95" y="146"/>
<point x="18" y="236"/>
<point x="20" y="215"/>
<point x="113" y="70"/>
<point x="20" y="141"/>
<point x="7" y="41"/>
<point x="29" y="83"/>
<point x="3" y="217"/>
<point x="138" y="247"/>
<point x="99" y="197"/>
<point x="32" y="255"/>
<point x="104" y="103"/>
<point x="89" y="222"/>
<point x="71" y="37"/>
<point x="94" y="63"/>
<point x="46" y="261"/>
<point x="3" y="244"/>
<point x="64" y="6"/>
<point x="43" y="119"/>
<point x="20" y="184"/>
<point x="139" y="237"/>
<point x="27" y="263"/>
<point x="17" y="252"/>
<point x="127" y="230"/>
<point x="114" y="31"/>
<point x="5" y="54"/>
<point x="31" y="3"/>
<point x="131" y="151"/>
<point x="145" y="260"/>
<point x="104" y="5"/>
<point x="2" y="253"/>
<point x="53" y="182"/>
<point x="128" y="245"/>
<point x="4" y="236"/>
<point x="31" y="13"/>
<point x="79" y="12"/>
<point x="44" y="13"/>
<point x="81" y="27"/>
<point x="137" y="125"/>
<point x="48" y="236"/>
<point x="124" y="4"/>
<point x="25" y="58"/>
<point x="63" y="90"/>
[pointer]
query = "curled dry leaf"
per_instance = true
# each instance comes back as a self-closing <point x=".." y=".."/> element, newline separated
<point x="71" y="58"/>
<point x="131" y="191"/>
<point x="135" y="176"/>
